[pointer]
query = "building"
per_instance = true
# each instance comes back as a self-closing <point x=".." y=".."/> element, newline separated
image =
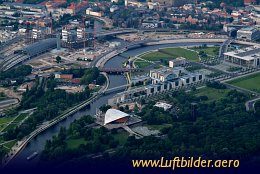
<point x="248" y="2"/>
<point x="64" y="76"/>
<point x="114" y="116"/>
<point x="163" y="105"/>
<point x="179" y="61"/>
<point x="248" y="57"/>
<point x="165" y="74"/>
<point x="249" y="33"/>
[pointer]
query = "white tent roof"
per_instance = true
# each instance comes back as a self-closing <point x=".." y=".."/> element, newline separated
<point x="113" y="115"/>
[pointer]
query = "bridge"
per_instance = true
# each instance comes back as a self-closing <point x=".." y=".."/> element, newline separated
<point x="118" y="70"/>
<point x="224" y="48"/>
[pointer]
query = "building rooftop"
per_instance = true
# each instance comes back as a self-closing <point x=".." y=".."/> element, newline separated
<point x="248" y="53"/>
<point x="113" y="115"/>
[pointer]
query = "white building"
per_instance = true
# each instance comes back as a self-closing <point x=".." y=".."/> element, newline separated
<point x="179" y="61"/>
<point x="248" y="57"/>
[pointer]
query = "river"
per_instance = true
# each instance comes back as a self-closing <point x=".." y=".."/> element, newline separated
<point x="37" y="144"/>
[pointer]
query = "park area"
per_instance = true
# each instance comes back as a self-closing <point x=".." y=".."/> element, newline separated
<point x="211" y="51"/>
<point x="212" y="93"/>
<point x="251" y="82"/>
<point x="7" y="123"/>
<point x="171" y="53"/>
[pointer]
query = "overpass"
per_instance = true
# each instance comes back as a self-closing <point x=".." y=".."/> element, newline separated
<point x="224" y="48"/>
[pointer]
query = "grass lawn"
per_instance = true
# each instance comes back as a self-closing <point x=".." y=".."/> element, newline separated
<point x="142" y="64"/>
<point x="156" y="56"/>
<point x="181" y="52"/>
<point x="17" y="120"/>
<point x="213" y="51"/>
<point x="10" y="144"/>
<point x="6" y="120"/>
<point x="21" y="117"/>
<point x="159" y="127"/>
<point x="75" y="143"/>
<point x="171" y="53"/>
<point x="121" y="137"/>
<point x="251" y="82"/>
<point x="212" y="93"/>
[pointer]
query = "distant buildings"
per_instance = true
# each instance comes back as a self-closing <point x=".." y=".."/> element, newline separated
<point x="248" y="57"/>
<point x="249" y="34"/>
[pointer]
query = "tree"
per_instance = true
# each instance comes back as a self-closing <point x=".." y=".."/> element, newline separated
<point x="58" y="59"/>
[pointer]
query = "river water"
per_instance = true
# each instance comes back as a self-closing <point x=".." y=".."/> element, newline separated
<point x="37" y="144"/>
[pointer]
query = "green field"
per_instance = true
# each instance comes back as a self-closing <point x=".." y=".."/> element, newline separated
<point x="14" y="123"/>
<point x="75" y="143"/>
<point x="171" y="53"/>
<point x="251" y="82"/>
<point x="212" y="93"/>
<point x="142" y="64"/>
<point x="10" y="144"/>
<point x="212" y="51"/>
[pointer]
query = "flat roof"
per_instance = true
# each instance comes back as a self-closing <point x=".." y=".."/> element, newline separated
<point x="248" y="53"/>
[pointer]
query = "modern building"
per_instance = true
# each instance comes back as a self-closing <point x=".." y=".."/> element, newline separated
<point x="114" y="116"/>
<point x="165" y="74"/>
<point x="162" y="80"/>
<point x="249" y="33"/>
<point x="248" y="57"/>
<point x="179" y="61"/>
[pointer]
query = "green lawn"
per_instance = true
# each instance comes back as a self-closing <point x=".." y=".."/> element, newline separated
<point x="212" y="93"/>
<point x="251" y="82"/>
<point x="171" y="53"/>
<point x="156" y="56"/>
<point x="10" y="144"/>
<point x="16" y="121"/>
<point x="75" y="143"/>
<point x="6" y="120"/>
<point x="181" y="52"/>
<point x="142" y="64"/>
<point x="21" y="117"/>
<point x="212" y="51"/>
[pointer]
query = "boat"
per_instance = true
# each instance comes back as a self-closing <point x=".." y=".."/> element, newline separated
<point x="33" y="155"/>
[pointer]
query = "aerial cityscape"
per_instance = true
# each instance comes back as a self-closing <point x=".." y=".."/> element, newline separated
<point x="128" y="86"/>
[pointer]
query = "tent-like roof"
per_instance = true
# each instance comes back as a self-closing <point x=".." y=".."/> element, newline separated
<point x="113" y="115"/>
